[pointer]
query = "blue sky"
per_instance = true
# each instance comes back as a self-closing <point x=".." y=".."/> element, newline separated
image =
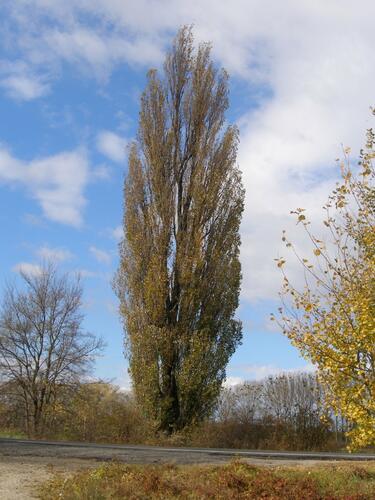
<point x="70" y="78"/>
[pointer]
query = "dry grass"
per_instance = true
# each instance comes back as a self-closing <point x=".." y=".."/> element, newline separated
<point x="236" y="480"/>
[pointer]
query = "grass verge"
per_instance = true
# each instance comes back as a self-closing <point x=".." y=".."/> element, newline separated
<point x="10" y="433"/>
<point x="236" y="480"/>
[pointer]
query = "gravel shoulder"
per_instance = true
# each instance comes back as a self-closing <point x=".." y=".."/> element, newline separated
<point x="21" y="476"/>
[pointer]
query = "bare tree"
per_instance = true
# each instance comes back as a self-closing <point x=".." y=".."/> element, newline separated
<point x="248" y="407"/>
<point x="42" y="343"/>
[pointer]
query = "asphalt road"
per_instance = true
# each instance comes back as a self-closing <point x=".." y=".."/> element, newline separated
<point x="153" y="454"/>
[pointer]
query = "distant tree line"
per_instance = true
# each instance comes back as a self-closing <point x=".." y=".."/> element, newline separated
<point x="286" y="411"/>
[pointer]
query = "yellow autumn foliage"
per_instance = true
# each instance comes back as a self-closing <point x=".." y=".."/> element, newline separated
<point x="332" y="320"/>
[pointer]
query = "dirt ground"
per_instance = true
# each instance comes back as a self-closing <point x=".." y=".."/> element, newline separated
<point x="20" y="477"/>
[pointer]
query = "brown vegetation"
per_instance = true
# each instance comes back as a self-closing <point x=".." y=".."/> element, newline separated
<point x="235" y="480"/>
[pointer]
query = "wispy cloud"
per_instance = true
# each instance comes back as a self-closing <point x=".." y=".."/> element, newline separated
<point x="57" y="182"/>
<point x="42" y="36"/>
<point x="117" y="233"/>
<point x="100" y="255"/>
<point x="86" y="273"/>
<point x="54" y="254"/>
<point x="21" y="82"/>
<point x="124" y="381"/>
<point x="233" y="381"/>
<point x="111" y="145"/>
<point x="23" y="87"/>
<point x="27" y="268"/>
<point x="259" y="372"/>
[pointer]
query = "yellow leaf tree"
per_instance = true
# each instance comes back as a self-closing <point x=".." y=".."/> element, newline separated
<point x="331" y="320"/>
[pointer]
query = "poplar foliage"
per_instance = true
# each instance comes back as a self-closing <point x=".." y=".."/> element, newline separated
<point x="179" y="274"/>
<point x="332" y="320"/>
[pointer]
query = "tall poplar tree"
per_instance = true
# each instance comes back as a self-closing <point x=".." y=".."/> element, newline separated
<point x="179" y="274"/>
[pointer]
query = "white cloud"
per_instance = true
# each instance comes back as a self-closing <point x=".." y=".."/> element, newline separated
<point x="23" y="87"/>
<point x="86" y="273"/>
<point x="232" y="381"/>
<point x="40" y="36"/>
<point x="101" y="172"/>
<point x="100" y="255"/>
<point x="309" y="61"/>
<point x="27" y="268"/>
<point x="111" y="145"/>
<point x="54" y="254"/>
<point x="124" y="382"/>
<point x="117" y="233"/>
<point x="57" y="182"/>
<point x="20" y="81"/>
<point x="259" y="372"/>
<point x="99" y="50"/>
